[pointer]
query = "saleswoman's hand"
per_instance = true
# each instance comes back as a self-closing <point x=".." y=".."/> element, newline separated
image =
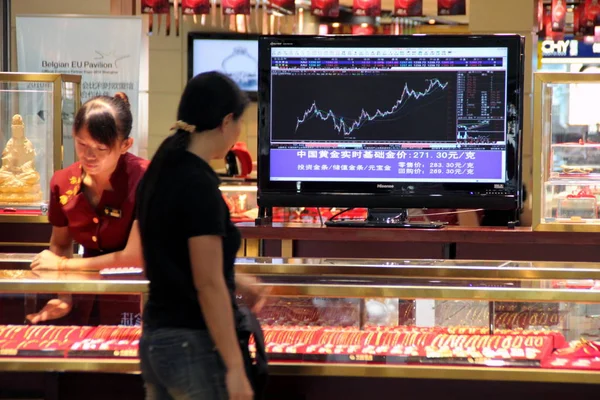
<point x="54" y="309"/>
<point x="253" y="293"/>
<point x="46" y="260"/>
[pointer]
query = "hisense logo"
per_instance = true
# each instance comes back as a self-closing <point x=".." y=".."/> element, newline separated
<point x="382" y="186"/>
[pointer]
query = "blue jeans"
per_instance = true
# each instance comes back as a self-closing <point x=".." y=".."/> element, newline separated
<point x="181" y="364"/>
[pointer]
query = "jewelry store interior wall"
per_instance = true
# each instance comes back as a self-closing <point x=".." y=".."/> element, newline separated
<point x="167" y="58"/>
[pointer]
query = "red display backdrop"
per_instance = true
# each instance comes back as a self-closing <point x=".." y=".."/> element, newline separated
<point x="367" y="8"/>
<point x="559" y="13"/>
<point x="452" y="7"/>
<point x="325" y="8"/>
<point x="193" y="7"/>
<point x="408" y="8"/>
<point x="286" y="7"/>
<point x="155" y="6"/>
<point x="234" y="7"/>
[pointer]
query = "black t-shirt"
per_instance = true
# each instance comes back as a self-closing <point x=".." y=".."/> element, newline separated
<point x="185" y="202"/>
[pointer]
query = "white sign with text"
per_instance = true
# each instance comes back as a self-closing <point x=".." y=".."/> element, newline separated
<point x="105" y="51"/>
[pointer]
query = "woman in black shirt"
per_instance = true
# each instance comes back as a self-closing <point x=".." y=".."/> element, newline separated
<point x="189" y="348"/>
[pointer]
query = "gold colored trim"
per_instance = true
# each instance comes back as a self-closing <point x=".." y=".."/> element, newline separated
<point x="584" y="271"/>
<point x="56" y="285"/>
<point x="253" y="248"/>
<point x="57" y="153"/>
<point x="536" y="211"/>
<point x="107" y="365"/>
<point x="111" y="365"/>
<point x="287" y="248"/>
<point x="541" y="161"/>
<point x="566" y="77"/>
<point x="436" y="372"/>
<point x="440" y="292"/>
<point x="242" y="250"/>
<point x="22" y="219"/>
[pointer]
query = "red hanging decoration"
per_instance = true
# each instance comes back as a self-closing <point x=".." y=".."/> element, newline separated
<point x="235" y="7"/>
<point x="452" y="7"/>
<point x="325" y="8"/>
<point x="559" y="12"/>
<point x="159" y="7"/>
<point x="155" y="6"/>
<point x="366" y="8"/>
<point x="408" y="8"/>
<point x="195" y="7"/>
<point x="540" y="15"/>
<point x="281" y="7"/>
<point x="592" y="16"/>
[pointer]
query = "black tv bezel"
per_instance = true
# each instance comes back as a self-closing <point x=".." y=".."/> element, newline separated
<point x="253" y="95"/>
<point x="403" y="194"/>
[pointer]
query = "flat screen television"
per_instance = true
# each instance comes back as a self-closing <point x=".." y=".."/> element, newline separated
<point x="233" y="54"/>
<point x="390" y="121"/>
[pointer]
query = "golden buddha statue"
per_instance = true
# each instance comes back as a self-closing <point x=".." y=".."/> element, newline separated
<point x="19" y="181"/>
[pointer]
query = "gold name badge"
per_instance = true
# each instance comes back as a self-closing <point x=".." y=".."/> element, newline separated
<point x="112" y="212"/>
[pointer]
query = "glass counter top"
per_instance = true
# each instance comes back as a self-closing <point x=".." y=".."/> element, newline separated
<point x="27" y="281"/>
<point x="425" y="268"/>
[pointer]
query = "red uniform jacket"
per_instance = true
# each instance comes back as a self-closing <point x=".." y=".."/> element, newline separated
<point x="101" y="229"/>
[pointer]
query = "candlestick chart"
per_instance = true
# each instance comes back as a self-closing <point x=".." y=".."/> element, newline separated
<point x="413" y="107"/>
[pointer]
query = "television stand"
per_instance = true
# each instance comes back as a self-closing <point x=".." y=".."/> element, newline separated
<point x="384" y="218"/>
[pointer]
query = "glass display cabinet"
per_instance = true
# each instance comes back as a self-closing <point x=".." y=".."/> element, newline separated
<point x="99" y="333"/>
<point x="447" y="319"/>
<point x="566" y="152"/>
<point x="36" y="118"/>
<point x="482" y="320"/>
<point x="241" y="200"/>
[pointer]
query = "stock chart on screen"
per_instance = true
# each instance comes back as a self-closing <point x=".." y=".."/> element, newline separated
<point x="388" y="114"/>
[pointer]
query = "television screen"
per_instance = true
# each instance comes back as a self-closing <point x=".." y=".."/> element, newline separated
<point x="404" y="121"/>
<point x="235" y="55"/>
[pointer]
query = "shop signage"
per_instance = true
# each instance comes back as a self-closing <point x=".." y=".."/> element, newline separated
<point x="569" y="48"/>
<point x="105" y="51"/>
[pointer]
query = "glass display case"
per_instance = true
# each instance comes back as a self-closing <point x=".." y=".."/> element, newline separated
<point x="241" y="200"/>
<point x="566" y="152"/>
<point x="36" y="116"/>
<point x="496" y="320"/>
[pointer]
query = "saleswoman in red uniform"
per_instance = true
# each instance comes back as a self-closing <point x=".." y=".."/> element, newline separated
<point x="92" y="202"/>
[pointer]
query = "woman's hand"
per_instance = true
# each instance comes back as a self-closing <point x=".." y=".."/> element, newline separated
<point x="46" y="260"/>
<point x="238" y="386"/>
<point x="253" y="293"/>
<point x="54" y="309"/>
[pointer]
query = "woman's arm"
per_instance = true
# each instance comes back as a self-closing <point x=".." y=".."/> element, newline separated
<point x="130" y="256"/>
<point x="251" y="290"/>
<point x="206" y="257"/>
<point x="61" y="242"/>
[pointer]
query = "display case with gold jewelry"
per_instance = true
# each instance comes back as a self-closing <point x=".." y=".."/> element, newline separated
<point x="36" y="116"/>
<point x="566" y="154"/>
